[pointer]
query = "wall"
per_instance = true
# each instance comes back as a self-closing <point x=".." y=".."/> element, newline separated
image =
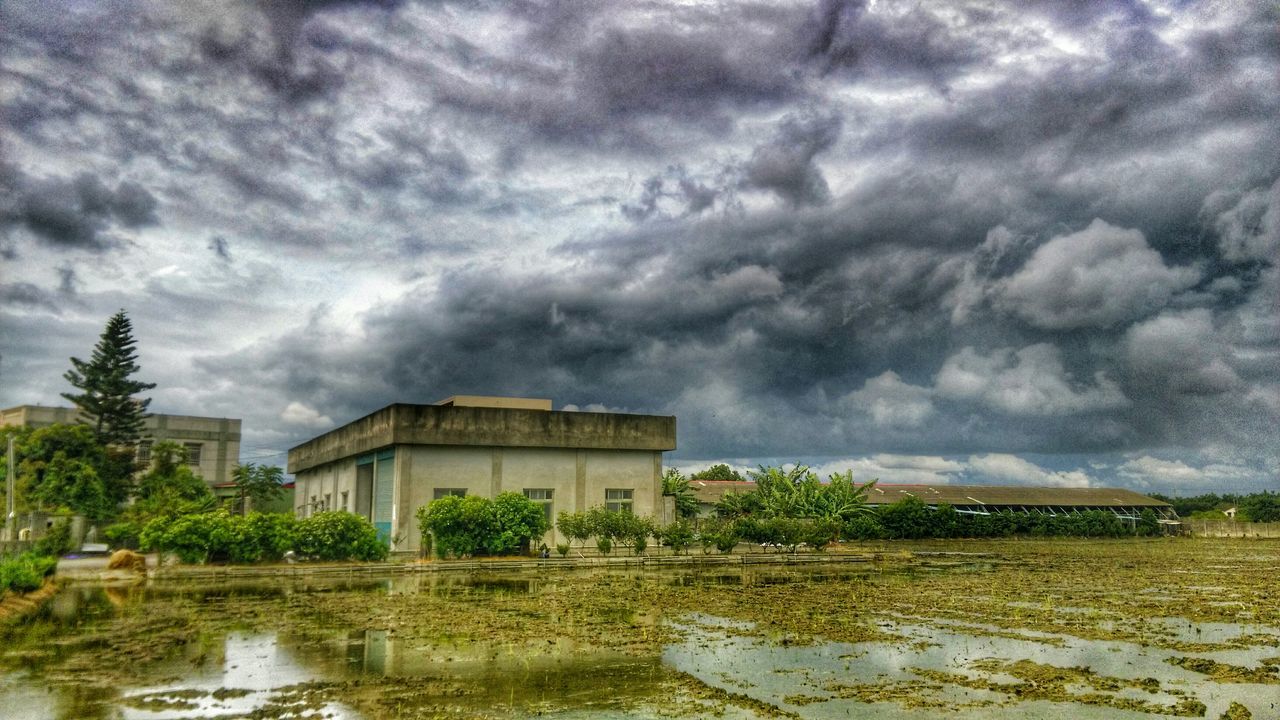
<point x="1231" y="529"/>
<point x="578" y="479"/>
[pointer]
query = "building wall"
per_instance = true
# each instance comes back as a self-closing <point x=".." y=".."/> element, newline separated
<point x="219" y="438"/>
<point x="578" y="480"/>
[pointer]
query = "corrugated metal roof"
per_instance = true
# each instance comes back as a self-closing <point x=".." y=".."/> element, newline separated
<point x="966" y="495"/>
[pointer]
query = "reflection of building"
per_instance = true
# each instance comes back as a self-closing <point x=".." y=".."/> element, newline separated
<point x="981" y="499"/>
<point x="212" y="444"/>
<point x="388" y="464"/>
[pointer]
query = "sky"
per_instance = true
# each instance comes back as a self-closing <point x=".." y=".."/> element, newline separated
<point x="967" y="242"/>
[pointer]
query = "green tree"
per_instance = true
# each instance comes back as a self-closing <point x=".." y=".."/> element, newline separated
<point x="63" y="466"/>
<point x="517" y="520"/>
<point x="169" y="479"/>
<point x="574" y="526"/>
<point x="719" y="472"/>
<point x="1261" y="507"/>
<point x="106" y="398"/>
<point x="257" y="484"/>
<point x="676" y="485"/>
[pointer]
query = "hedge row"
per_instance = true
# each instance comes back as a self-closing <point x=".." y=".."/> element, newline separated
<point x="263" y="537"/>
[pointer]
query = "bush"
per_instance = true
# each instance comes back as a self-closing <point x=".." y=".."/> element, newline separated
<point x="338" y="535"/>
<point x="562" y="548"/>
<point x="200" y="538"/>
<point x="604" y="545"/>
<point x="678" y="536"/>
<point x="25" y="572"/>
<point x="126" y="534"/>
<point x="56" y="542"/>
<point x="517" y="521"/>
<point x="474" y="525"/>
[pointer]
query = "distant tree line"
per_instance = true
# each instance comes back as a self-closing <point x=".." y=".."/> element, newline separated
<point x="1256" y="507"/>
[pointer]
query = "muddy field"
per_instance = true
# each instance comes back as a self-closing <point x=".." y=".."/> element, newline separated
<point x="1029" y="629"/>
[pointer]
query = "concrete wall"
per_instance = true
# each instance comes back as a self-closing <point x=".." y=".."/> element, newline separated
<point x="219" y="438"/>
<point x="332" y="480"/>
<point x="1231" y="529"/>
<point x="485" y="427"/>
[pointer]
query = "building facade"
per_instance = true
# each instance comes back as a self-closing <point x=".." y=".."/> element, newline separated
<point x="388" y="464"/>
<point x="212" y="444"/>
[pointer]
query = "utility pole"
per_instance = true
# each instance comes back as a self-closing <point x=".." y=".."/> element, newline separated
<point x="10" y="517"/>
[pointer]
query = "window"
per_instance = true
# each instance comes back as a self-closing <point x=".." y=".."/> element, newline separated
<point x="447" y="492"/>
<point x="543" y="498"/>
<point x="327" y="498"/>
<point x="144" y="452"/>
<point x="618" y="500"/>
<point x="346" y="507"/>
<point x="193" y="453"/>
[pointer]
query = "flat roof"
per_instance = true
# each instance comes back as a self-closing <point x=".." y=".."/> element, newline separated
<point x="485" y="426"/>
<point x="491" y="401"/>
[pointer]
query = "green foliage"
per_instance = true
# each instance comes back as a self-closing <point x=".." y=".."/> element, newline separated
<point x="604" y="545"/>
<point x="63" y="466"/>
<point x="719" y="472"/>
<point x="562" y="548"/>
<point x="56" y="542"/>
<point x="106" y="398"/>
<point x="574" y="526"/>
<point x="338" y="535"/>
<point x="677" y="486"/>
<point x="474" y="525"/>
<point x="1262" y="507"/>
<point x="124" y="534"/>
<point x="258" y="484"/>
<point x="195" y="538"/>
<point x="518" y="521"/>
<point x="169" y="480"/>
<point x="26" y="572"/>
<point x="678" y="536"/>
<point x="798" y="494"/>
<point x="907" y="518"/>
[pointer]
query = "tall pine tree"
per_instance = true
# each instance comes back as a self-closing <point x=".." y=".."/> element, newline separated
<point x="106" y="398"/>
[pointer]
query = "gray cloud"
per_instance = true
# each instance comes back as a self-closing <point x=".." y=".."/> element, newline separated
<point x="842" y="231"/>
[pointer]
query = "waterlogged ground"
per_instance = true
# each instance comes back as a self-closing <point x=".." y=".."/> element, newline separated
<point x="1120" y="629"/>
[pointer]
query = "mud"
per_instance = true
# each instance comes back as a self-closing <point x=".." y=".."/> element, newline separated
<point x="1173" y="628"/>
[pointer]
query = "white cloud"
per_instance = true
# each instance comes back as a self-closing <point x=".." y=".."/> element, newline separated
<point x="914" y="469"/>
<point x="1147" y="470"/>
<point x="296" y="413"/>
<point x="890" y="402"/>
<point x="1003" y="467"/>
<point x="1101" y="276"/>
<point x="1181" y="350"/>
<point x="1030" y="381"/>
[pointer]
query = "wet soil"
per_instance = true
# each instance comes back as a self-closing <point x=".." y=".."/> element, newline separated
<point x="1164" y="628"/>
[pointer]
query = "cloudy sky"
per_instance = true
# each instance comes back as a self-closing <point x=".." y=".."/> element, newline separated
<point x="1023" y="242"/>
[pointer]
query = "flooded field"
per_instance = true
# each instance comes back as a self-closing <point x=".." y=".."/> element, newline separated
<point x="1033" y="629"/>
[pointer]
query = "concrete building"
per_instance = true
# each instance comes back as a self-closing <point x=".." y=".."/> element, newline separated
<point x="386" y="465"/>
<point x="213" y="444"/>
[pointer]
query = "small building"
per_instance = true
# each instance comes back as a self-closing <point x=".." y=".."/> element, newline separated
<point x="386" y="465"/>
<point x="982" y="499"/>
<point x="212" y="444"/>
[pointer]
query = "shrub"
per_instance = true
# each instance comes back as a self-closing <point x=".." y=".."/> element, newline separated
<point x="639" y="543"/>
<point x="25" y="572"/>
<point x="517" y="521"/>
<point x="604" y="545"/>
<point x="562" y="548"/>
<point x="678" y="536"/>
<point x="200" y="538"/>
<point x="863" y="527"/>
<point x="338" y="535"/>
<point x="56" y="542"/>
<point x="574" y="526"/>
<point x="126" y="534"/>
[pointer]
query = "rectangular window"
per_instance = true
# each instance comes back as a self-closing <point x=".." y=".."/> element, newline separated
<point x="327" y="498"/>
<point x="345" y="506"/>
<point x="447" y="492"/>
<point x="544" y="498"/>
<point x="618" y="500"/>
<point x="193" y="453"/>
<point x="144" y="452"/>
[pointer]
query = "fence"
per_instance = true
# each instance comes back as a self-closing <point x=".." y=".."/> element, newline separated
<point x="1232" y="529"/>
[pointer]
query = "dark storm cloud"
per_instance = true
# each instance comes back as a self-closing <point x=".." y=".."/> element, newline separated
<point x="785" y="165"/>
<point x="964" y="228"/>
<point x="73" y="213"/>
